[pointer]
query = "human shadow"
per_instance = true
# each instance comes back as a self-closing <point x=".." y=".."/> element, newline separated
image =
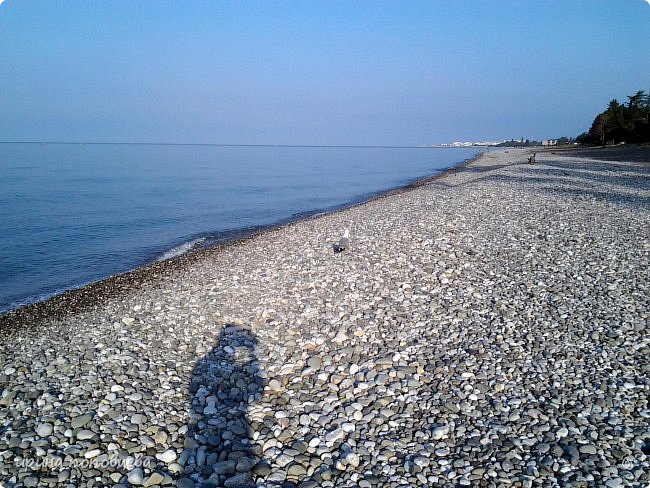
<point x="223" y="385"/>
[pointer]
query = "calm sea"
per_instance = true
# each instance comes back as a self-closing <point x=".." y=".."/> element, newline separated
<point x="75" y="213"/>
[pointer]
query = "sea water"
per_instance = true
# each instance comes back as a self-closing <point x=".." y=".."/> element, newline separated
<point x="71" y="214"/>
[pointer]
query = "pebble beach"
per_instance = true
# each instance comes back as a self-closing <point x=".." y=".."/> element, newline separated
<point x="486" y="328"/>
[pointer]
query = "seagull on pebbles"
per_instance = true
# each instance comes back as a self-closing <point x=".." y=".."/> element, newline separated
<point x="344" y="242"/>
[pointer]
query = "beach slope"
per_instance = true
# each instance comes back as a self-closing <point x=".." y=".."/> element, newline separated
<point x="487" y="328"/>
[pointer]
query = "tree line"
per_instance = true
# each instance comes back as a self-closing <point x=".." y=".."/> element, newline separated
<point x="560" y="141"/>
<point x="621" y="123"/>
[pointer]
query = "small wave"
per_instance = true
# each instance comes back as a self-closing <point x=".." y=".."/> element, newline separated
<point x="41" y="297"/>
<point x="181" y="249"/>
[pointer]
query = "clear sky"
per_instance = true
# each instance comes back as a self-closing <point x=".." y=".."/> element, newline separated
<point x="315" y="72"/>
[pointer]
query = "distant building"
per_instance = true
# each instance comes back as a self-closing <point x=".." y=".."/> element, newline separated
<point x="549" y="142"/>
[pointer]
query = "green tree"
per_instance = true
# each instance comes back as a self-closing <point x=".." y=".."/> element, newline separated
<point x="615" y="114"/>
<point x="636" y="102"/>
<point x="597" y="131"/>
<point x="621" y="122"/>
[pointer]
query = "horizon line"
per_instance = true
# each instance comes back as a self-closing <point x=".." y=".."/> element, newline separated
<point x="216" y="144"/>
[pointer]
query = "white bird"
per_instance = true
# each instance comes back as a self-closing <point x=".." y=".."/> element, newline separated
<point x="344" y="242"/>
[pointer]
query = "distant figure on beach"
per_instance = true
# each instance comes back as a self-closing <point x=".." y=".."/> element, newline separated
<point x="344" y="242"/>
<point x="531" y="159"/>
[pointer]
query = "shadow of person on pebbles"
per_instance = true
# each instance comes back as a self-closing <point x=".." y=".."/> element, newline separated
<point x="223" y="384"/>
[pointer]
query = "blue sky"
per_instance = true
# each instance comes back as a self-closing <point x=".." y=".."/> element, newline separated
<point x="322" y="72"/>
